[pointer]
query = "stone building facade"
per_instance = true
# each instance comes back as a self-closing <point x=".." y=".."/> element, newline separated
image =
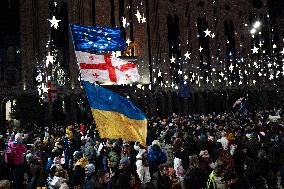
<point x="172" y="29"/>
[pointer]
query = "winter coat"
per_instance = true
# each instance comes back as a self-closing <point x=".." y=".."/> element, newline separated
<point x="89" y="150"/>
<point x="19" y="150"/>
<point x="161" y="182"/>
<point x="143" y="172"/>
<point x="89" y="182"/>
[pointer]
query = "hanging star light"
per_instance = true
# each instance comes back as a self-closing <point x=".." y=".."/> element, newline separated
<point x="139" y="86"/>
<point x="271" y="77"/>
<point x="282" y="52"/>
<point x="172" y="59"/>
<point x="54" y="22"/>
<point x="138" y="15"/>
<point x="213" y="35"/>
<point x="49" y="59"/>
<point x="128" y="41"/>
<point x="187" y="55"/>
<point x="179" y="72"/>
<point x="207" y="32"/>
<point x="255" y="50"/>
<point x="254" y="81"/>
<point x="200" y="49"/>
<point x="222" y="74"/>
<point x="159" y="73"/>
<point x="231" y="67"/>
<point x="185" y="77"/>
<point x="143" y="20"/>
<point x="274" y="46"/>
<point x="124" y="22"/>
<point x="269" y="65"/>
<point x="207" y="80"/>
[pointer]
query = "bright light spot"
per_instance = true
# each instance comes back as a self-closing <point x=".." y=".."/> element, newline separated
<point x="256" y="24"/>
<point x="252" y="31"/>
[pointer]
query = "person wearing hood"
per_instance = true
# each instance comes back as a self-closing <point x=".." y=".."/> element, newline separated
<point x="89" y="179"/>
<point x="89" y="149"/>
<point x="156" y="156"/>
<point x="143" y="167"/>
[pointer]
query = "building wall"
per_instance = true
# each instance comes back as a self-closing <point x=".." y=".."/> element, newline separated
<point x="154" y="49"/>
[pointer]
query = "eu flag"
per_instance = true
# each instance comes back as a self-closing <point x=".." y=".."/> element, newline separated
<point x="95" y="39"/>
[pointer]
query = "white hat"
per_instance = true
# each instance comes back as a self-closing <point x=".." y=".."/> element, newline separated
<point x="155" y="142"/>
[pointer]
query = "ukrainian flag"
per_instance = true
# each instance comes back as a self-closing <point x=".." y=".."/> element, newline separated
<point x="115" y="116"/>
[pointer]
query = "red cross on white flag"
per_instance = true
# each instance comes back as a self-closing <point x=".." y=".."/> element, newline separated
<point x="105" y="69"/>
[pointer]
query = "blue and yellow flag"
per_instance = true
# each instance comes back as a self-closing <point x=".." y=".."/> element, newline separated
<point x="94" y="39"/>
<point x="115" y="116"/>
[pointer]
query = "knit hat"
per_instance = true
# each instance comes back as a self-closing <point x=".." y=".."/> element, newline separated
<point x="90" y="168"/>
<point x="78" y="154"/>
<point x="155" y="142"/>
<point x="204" y="153"/>
<point x="125" y="161"/>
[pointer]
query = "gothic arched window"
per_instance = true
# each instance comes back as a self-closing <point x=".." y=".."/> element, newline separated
<point x="174" y="45"/>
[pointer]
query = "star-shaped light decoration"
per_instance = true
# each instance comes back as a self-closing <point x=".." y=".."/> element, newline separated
<point x="172" y="59"/>
<point x="143" y="20"/>
<point x="179" y="72"/>
<point x="230" y="82"/>
<point x="231" y="67"/>
<point x="54" y="22"/>
<point x="200" y="49"/>
<point x="269" y="65"/>
<point x="159" y="73"/>
<point x="271" y="77"/>
<point x="282" y="52"/>
<point x="128" y="41"/>
<point x="259" y="74"/>
<point x="49" y="59"/>
<point x="139" y="86"/>
<point x="187" y="55"/>
<point x="213" y="35"/>
<point x="254" y="81"/>
<point x="207" y="80"/>
<point x="240" y="82"/>
<point x="255" y="50"/>
<point x="274" y="46"/>
<point x="138" y="15"/>
<point x="207" y="32"/>
<point x="185" y="77"/>
<point x="124" y="22"/>
<point x="260" y="44"/>
<point x="221" y="74"/>
<point x="44" y="89"/>
<point x="39" y="78"/>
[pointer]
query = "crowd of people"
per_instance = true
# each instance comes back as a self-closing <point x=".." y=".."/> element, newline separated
<point x="219" y="151"/>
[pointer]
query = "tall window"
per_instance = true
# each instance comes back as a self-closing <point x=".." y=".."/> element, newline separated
<point x="10" y="52"/>
<point x="205" y="62"/>
<point x="174" y="46"/>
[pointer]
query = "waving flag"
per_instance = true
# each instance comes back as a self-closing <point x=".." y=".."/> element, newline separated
<point x="115" y="116"/>
<point x="104" y="69"/>
<point x="97" y="39"/>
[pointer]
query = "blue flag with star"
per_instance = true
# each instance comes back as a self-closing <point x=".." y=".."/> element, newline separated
<point x="97" y="39"/>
